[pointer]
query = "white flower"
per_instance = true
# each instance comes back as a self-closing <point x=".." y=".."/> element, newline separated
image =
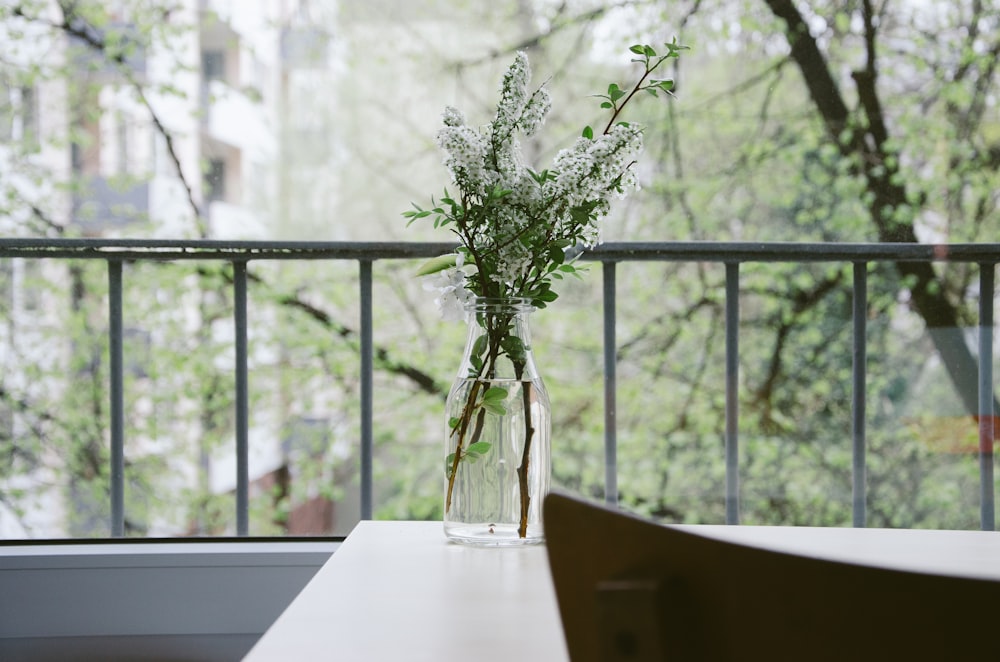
<point x="466" y="155"/>
<point x="513" y="94"/>
<point x="452" y="116"/>
<point x="595" y="169"/>
<point x="533" y="115"/>
<point x="453" y="296"/>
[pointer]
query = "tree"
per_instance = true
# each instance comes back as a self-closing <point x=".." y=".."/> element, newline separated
<point x="866" y="138"/>
<point x="843" y="122"/>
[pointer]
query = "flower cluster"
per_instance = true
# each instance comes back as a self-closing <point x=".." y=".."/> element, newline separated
<point x="515" y="225"/>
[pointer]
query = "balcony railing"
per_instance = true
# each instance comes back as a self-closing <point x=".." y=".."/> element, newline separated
<point x="732" y="255"/>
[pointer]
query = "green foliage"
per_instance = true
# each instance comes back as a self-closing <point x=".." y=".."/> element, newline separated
<point x="492" y="402"/>
<point x="743" y="155"/>
<point x="436" y="264"/>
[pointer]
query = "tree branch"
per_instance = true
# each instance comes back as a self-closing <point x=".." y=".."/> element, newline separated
<point x="822" y="88"/>
<point x="888" y="196"/>
<point x="383" y="357"/>
<point x="76" y="26"/>
<point x="802" y="301"/>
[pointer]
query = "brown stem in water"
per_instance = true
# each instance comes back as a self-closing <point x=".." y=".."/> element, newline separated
<point x="462" y="428"/>
<point x="522" y="470"/>
<point x="493" y="351"/>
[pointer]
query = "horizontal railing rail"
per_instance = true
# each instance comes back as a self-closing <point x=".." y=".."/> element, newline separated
<point x="116" y="252"/>
<point x="667" y="251"/>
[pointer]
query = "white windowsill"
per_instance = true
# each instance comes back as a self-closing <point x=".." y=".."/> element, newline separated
<point x="186" y="592"/>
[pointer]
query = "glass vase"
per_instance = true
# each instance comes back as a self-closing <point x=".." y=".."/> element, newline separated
<point x="497" y="428"/>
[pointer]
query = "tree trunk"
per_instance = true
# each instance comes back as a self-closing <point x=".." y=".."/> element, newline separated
<point x="866" y="144"/>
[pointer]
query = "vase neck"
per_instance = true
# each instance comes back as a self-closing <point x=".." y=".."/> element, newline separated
<point x="498" y="344"/>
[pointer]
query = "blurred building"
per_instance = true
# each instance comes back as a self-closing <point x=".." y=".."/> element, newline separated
<point x="190" y="123"/>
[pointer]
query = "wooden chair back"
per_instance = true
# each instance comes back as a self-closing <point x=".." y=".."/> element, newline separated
<point x="630" y="589"/>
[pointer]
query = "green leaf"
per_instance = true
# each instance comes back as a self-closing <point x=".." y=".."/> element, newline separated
<point x="556" y="254"/>
<point x="437" y="264"/>
<point x="479" y="448"/>
<point x="495" y="393"/>
<point x="415" y="214"/>
<point x="580" y="215"/>
<point x="479" y="345"/>
<point x="638" y="49"/>
<point x="607" y="104"/>
<point x="453" y="422"/>
<point x="648" y="51"/>
<point x="588" y="133"/>
<point x="539" y="177"/>
<point x="674" y="48"/>
<point x="498" y="192"/>
<point x="449" y="464"/>
<point x="494" y="407"/>
<point x="514" y="347"/>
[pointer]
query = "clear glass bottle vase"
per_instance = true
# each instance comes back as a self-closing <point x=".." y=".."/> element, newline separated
<point x="497" y="429"/>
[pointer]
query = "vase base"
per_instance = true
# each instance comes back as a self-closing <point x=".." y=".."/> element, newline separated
<point x="491" y="535"/>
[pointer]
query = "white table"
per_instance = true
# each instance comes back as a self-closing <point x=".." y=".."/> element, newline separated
<point x="399" y="591"/>
<point x="974" y="554"/>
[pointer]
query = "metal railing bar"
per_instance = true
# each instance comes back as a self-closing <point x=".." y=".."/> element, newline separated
<point x="732" y="393"/>
<point x="242" y="400"/>
<point x="987" y="421"/>
<point x="859" y="371"/>
<point x="205" y="249"/>
<point x="367" y="374"/>
<point x="708" y="251"/>
<point x="116" y="389"/>
<point x="732" y="254"/>
<point x="609" y="304"/>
